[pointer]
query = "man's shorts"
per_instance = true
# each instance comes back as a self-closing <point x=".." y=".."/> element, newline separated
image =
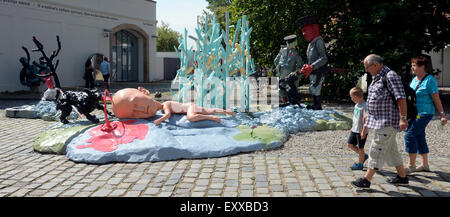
<point x="355" y="139"/>
<point x="384" y="149"/>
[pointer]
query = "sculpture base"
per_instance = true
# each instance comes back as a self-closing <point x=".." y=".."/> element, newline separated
<point x="45" y="110"/>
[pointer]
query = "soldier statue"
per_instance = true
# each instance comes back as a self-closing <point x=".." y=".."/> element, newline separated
<point x="287" y="61"/>
<point x="317" y="60"/>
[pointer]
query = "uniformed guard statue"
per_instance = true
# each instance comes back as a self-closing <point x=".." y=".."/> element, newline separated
<point x="316" y="66"/>
<point x="288" y="60"/>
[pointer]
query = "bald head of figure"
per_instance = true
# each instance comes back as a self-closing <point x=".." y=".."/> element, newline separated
<point x="132" y="103"/>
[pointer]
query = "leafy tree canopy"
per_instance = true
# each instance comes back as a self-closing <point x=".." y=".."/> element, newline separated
<point x="397" y="30"/>
<point x="167" y="38"/>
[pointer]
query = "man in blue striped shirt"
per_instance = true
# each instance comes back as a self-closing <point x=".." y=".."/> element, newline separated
<point x="385" y="119"/>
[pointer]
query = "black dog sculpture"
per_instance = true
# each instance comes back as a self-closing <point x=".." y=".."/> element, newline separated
<point x="85" y="102"/>
<point x="292" y="91"/>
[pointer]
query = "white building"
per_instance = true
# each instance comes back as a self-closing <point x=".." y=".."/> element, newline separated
<point x="123" y="30"/>
<point x="441" y="61"/>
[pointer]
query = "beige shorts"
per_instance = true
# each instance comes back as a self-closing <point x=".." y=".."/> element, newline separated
<point x="384" y="149"/>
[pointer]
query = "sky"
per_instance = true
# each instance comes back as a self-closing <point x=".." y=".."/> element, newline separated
<point x="180" y="14"/>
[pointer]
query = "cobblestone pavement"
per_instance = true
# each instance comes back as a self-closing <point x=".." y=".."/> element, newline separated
<point x="24" y="172"/>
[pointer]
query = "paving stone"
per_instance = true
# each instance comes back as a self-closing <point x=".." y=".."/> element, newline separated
<point x="24" y="172"/>
<point x="262" y="184"/>
<point x="309" y="189"/>
<point x="320" y="181"/>
<point x="197" y="194"/>
<point x="324" y="186"/>
<point x="246" y="187"/>
<point x="295" y="193"/>
<point x="232" y="183"/>
<point x="427" y="193"/>
<point x="293" y="186"/>
<point x="230" y="194"/>
<point x="179" y="190"/>
<point x="216" y="185"/>
<point x="132" y="193"/>
<point x="277" y="188"/>
<point x="246" y="181"/>
<point x="83" y="194"/>
<point x="262" y="190"/>
<point x="69" y="193"/>
<point x="214" y="191"/>
<point x="312" y="194"/>
<point x="328" y="193"/>
<point x="345" y="194"/>
<point x="20" y="193"/>
<point x="202" y="182"/>
<point x="276" y="182"/>
<point x="101" y="193"/>
<point x="200" y="188"/>
<point x="151" y="191"/>
<point x="186" y="185"/>
<point x="246" y="193"/>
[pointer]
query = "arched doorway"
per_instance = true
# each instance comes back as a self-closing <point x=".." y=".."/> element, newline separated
<point x="125" y="56"/>
<point x="129" y="54"/>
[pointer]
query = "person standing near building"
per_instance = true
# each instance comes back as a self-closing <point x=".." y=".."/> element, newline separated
<point x="317" y="60"/>
<point x="88" y="75"/>
<point x="385" y="119"/>
<point x="288" y="61"/>
<point x="105" y="68"/>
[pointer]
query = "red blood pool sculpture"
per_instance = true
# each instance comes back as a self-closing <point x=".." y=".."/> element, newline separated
<point x="107" y="141"/>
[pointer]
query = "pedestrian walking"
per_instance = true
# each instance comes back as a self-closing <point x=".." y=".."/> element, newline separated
<point x="385" y="119"/>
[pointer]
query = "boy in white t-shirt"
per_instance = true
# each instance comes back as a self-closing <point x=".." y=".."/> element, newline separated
<point x="358" y="133"/>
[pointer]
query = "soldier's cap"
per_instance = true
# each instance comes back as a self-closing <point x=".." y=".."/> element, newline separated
<point x="310" y="19"/>
<point x="290" y="38"/>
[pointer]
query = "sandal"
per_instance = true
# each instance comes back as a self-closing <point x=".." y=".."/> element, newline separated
<point x="409" y="169"/>
<point x="423" y="168"/>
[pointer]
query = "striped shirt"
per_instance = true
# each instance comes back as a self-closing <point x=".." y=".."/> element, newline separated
<point x="382" y="110"/>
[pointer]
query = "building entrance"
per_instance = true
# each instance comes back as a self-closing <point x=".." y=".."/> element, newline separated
<point x="125" y="57"/>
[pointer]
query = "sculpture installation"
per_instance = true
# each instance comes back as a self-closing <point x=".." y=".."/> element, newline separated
<point x="216" y="65"/>
<point x="137" y="103"/>
<point x="286" y="62"/>
<point x="317" y="60"/>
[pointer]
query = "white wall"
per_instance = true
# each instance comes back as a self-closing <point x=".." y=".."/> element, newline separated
<point x="159" y="75"/>
<point x="441" y="61"/>
<point x="80" y="25"/>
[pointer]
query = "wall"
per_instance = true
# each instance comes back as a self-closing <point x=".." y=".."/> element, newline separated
<point x="81" y="26"/>
<point x="441" y="61"/>
<point x="159" y="75"/>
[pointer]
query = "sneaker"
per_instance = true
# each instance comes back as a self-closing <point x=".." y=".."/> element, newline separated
<point x="409" y="169"/>
<point x="357" y="166"/>
<point x="398" y="180"/>
<point x="361" y="183"/>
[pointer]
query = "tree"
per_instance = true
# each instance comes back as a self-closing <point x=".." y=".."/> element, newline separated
<point x="396" y="30"/>
<point x="218" y="8"/>
<point x="167" y="38"/>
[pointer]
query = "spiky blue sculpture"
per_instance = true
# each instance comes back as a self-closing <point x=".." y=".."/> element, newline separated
<point x="217" y="68"/>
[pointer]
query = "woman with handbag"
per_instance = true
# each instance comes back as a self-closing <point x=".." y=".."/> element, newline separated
<point x="88" y="75"/>
<point x="427" y="101"/>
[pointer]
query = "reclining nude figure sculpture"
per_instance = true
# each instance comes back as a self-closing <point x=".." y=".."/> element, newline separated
<point x="137" y="103"/>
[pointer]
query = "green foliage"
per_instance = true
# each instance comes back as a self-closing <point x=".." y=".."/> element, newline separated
<point x="167" y="38"/>
<point x="397" y="30"/>
<point x="218" y="8"/>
